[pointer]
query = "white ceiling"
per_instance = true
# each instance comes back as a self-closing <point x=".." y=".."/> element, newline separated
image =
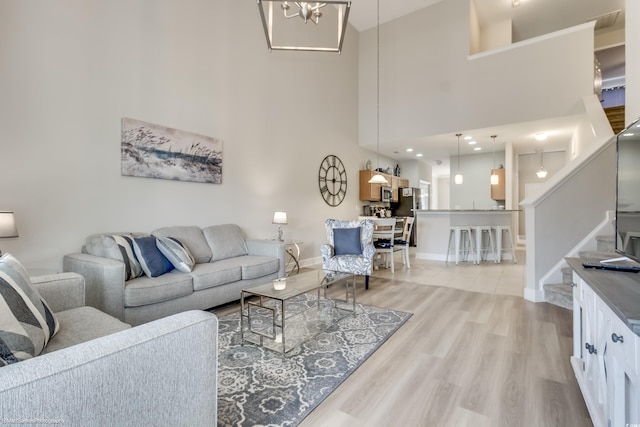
<point x="530" y="19"/>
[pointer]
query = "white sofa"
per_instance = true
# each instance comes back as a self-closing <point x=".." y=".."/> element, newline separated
<point x="98" y="371"/>
<point x="225" y="263"/>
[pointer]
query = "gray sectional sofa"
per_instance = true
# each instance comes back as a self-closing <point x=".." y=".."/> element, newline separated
<point x="224" y="263"/>
<point x="97" y="371"/>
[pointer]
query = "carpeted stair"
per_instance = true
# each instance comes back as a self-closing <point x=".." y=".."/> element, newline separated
<point x="561" y="294"/>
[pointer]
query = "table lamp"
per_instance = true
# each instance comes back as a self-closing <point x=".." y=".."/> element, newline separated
<point x="7" y="226"/>
<point x="280" y="218"/>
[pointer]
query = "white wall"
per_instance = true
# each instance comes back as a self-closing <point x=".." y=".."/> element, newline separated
<point x="71" y="69"/>
<point x="429" y="85"/>
<point x="475" y="190"/>
<point x="632" y="65"/>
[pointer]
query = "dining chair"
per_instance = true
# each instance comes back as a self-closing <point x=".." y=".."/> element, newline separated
<point x="402" y="244"/>
<point x="384" y="236"/>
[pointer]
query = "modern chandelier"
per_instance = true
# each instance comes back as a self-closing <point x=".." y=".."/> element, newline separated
<point x="308" y="12"/>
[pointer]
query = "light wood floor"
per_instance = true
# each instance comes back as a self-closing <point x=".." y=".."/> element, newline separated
<point x="474" y="353"/>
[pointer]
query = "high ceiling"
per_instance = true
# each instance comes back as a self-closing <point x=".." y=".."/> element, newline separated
<point x="530" y="19"/>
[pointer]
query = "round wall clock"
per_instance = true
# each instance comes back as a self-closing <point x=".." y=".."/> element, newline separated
<point x="332" y="179"/>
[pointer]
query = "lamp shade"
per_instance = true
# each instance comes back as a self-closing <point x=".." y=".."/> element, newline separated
<point x="378" y="179"/>
<point x="279" y="218"/>
<point x="495" y="179"/>
<point x="458" y="179"/>
<point x="7" y="225"/>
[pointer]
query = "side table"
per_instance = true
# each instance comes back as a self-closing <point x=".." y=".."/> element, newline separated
<point x="292" y="255"/>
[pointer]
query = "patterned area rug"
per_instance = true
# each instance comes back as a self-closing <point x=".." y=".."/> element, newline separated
<point x="257" y="386"/>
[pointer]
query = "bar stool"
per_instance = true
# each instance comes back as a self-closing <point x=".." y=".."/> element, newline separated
<point x="480" y="231"/>
<point x="462" y="242"/>
<point x="499" y="230"/>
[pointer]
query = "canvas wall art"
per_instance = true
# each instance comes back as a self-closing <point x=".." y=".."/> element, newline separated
<point x="154" y="151"/>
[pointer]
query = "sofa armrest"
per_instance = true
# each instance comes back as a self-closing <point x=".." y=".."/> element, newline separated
<point x="104" y="281"/>
<point x="160" y="373"/>
<point x="62" y="291"/>
<point x="272" y="248"/>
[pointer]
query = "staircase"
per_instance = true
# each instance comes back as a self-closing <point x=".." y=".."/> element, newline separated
<point x="616" y="118"/>
<point x="561" y="294"/>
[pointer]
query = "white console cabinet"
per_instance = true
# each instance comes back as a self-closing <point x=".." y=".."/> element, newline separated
<point x="606" y="351"/>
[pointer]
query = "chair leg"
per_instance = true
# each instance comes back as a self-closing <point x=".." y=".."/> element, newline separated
<point x="366" y="282"/>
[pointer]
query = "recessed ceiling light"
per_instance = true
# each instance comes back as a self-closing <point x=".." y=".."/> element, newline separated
<point x="419" y="155"/>
<point x="473" y="142"/>
<point x="541" y="136"/>
<point x="409" y="150"/>
<point x="627" y="134"/>
<point x="477" y="149"/>
<point x="468" y="137"/>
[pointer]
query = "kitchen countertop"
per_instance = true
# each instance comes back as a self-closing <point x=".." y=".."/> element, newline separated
<point x="619" y="290"/>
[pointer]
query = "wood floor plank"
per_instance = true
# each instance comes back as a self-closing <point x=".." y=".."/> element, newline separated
<point x="465" y="358"/>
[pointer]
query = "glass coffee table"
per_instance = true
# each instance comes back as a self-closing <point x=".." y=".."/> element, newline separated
<point x="282" y="319"/>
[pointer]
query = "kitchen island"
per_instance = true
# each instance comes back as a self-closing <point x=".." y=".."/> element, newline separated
<point x="432" y="227"/>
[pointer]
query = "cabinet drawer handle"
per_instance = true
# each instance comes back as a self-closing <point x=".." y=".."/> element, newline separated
<point x="617" y="338"/>
<point x="590" y="348"/>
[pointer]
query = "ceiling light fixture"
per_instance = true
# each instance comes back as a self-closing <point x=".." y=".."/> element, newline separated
<point x="473" y="142"/>
<point x="409" y="150"/>
<point x="541" y="136"/>
<point x="378" y="178"/>
<point x="542" y="172"/>
<point x="458" y="179"/>
<point x="308" y="11"/>
<point x="515" y="3"/>
<point x="477" y="149"/>
<point x="495" y="179"/>
<point x="419" y="155"/>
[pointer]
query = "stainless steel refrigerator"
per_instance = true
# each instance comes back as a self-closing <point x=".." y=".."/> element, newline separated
<point x="408" y="200"/>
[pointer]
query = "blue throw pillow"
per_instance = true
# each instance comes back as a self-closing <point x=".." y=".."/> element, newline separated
<point x="151" y="260"/>
<point x="346" y="241"/>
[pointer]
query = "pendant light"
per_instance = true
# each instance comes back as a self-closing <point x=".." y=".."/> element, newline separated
<point x="458" y="178"/>
<point x="378" y="178"/>
<point x="542" y="172"/>
<point x="495" y="180"/>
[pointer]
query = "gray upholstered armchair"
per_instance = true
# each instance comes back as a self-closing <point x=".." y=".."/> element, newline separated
<point x="350" y="248"/>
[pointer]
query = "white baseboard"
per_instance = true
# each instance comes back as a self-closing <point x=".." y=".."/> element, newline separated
<point x="534" y="295"/>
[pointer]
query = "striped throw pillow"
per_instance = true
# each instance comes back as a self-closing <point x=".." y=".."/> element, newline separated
<point x="26" y="321"/>
<point x="177" y="253"/>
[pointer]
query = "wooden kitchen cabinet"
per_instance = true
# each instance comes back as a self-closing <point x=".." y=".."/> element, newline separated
<point x="394" y="188"/>
<point x="498" y="190"/>
<point x="403" y="183"/>
<point x="371" y="192"/>
<point x="368" y="192"/>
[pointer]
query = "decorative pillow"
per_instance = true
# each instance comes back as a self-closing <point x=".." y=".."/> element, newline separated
<point x="26" y="321"/>
<point x="346" y="241"/>
<point x="177" y="253"/>
<point x="151" y="260"/>
<point x="118" y="247"/>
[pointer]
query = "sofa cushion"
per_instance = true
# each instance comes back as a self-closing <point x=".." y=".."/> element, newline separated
<point x="118" y="247"/>
<point x="225" y="241"/>
<point x="83" y="324"/>
<point x="216" y="273"/>
<point x="152" y="261"/>
<point x="258" y="266"/>
<point x="177" y="253"/>
<point x="145" y="291"/>
<point x="191" y="237"/>
<point x="27" y="324"/>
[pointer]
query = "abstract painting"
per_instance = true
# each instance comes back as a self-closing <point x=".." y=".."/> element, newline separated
<point x="154" y="151"/>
